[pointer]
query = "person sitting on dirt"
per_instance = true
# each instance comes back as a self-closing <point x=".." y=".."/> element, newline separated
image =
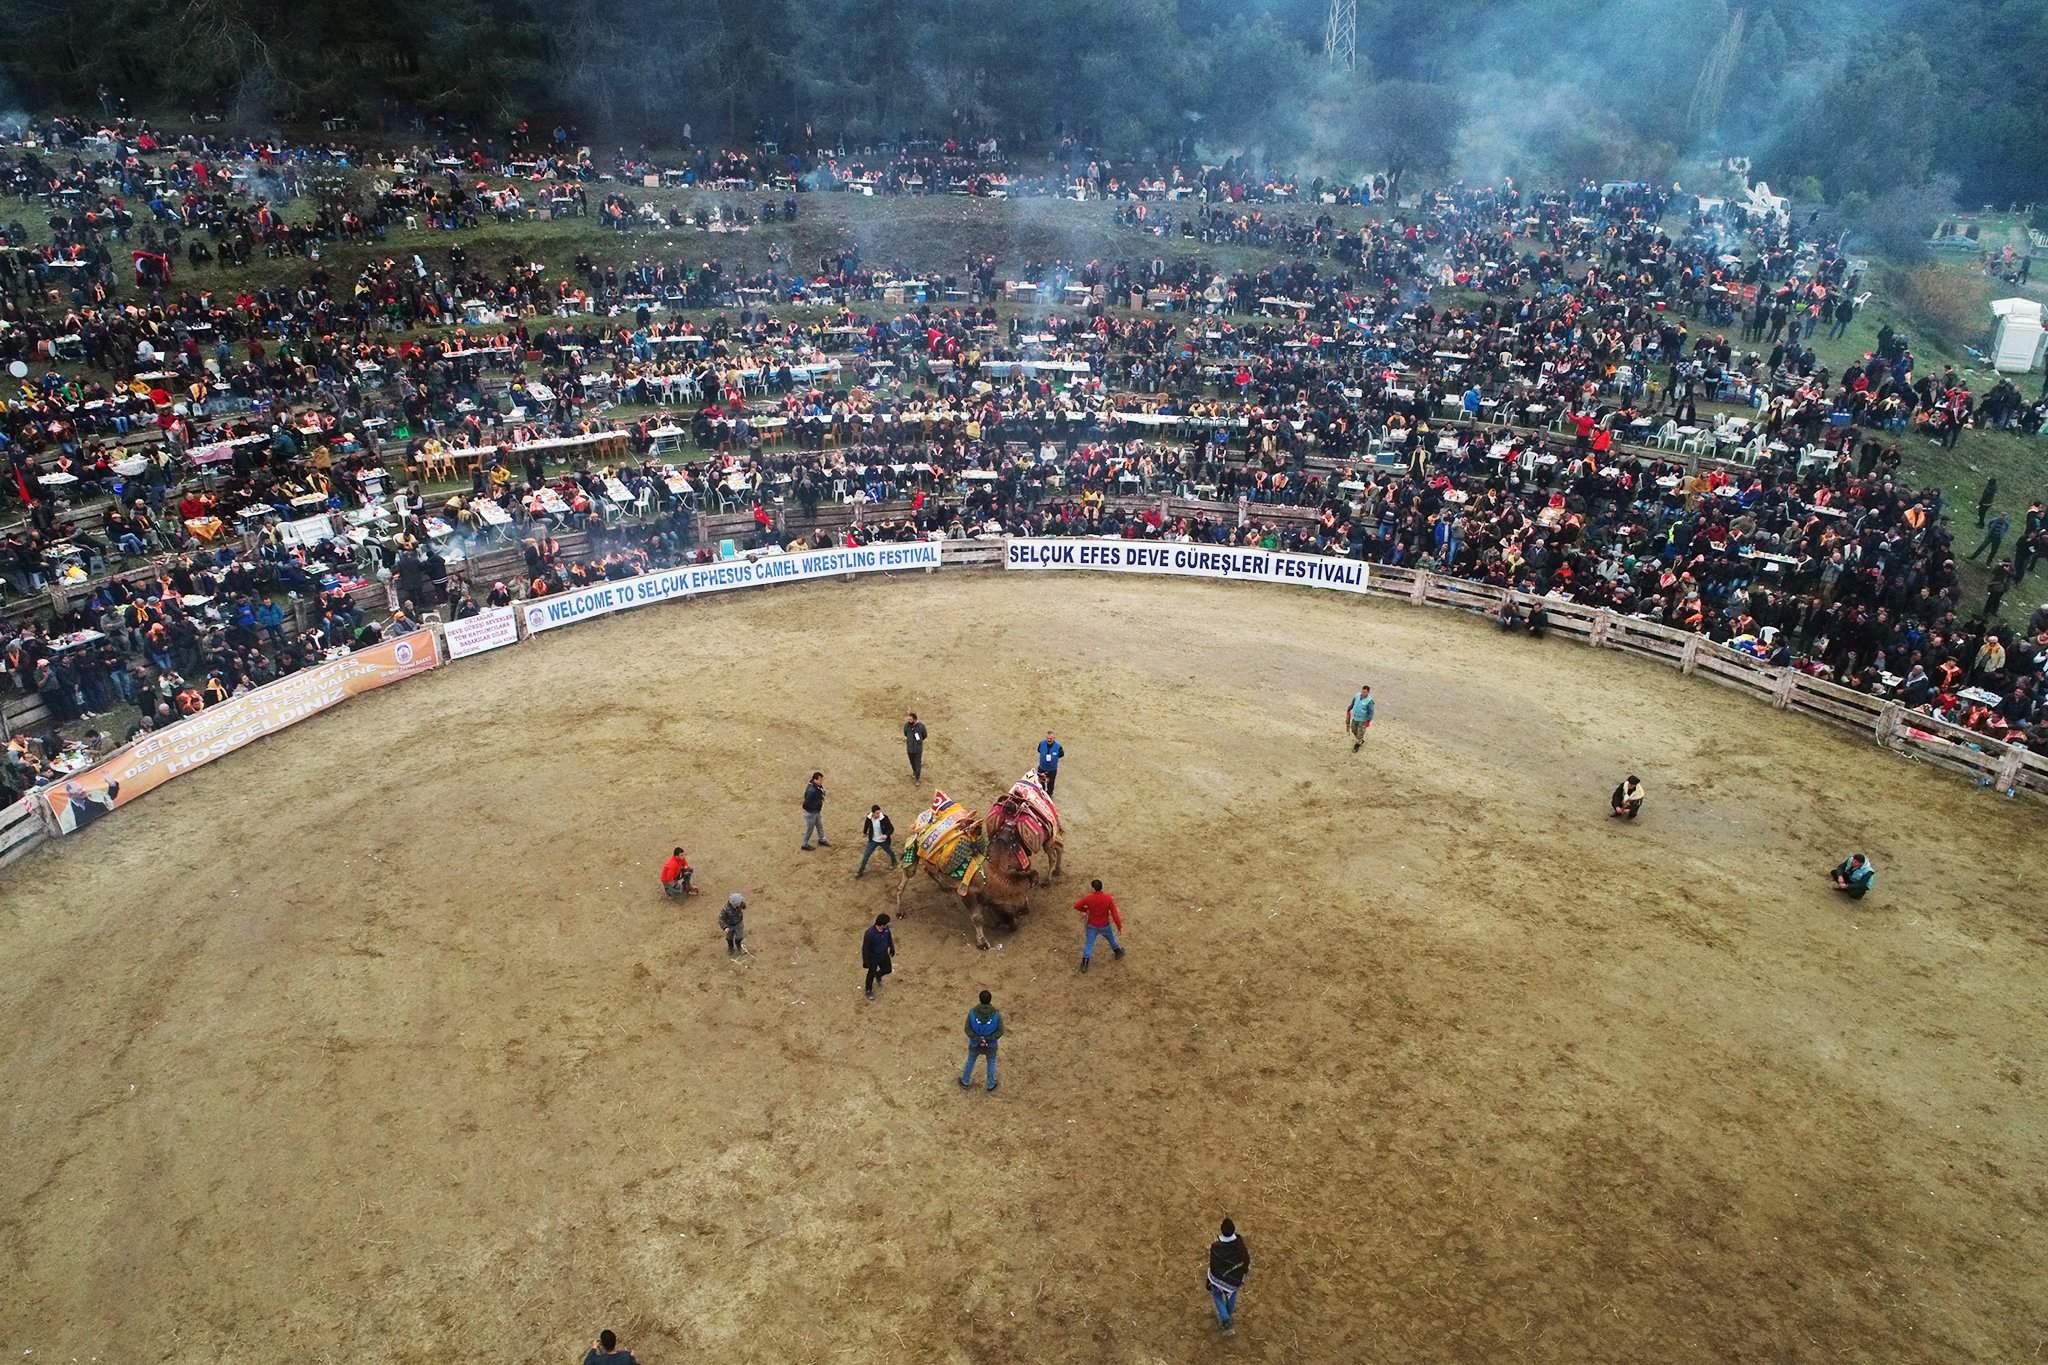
<point x="1853" y="876"/>
<point x="1509" y="618"/>
<point x="676" y="874"/>
<point x="1627" y="800"/>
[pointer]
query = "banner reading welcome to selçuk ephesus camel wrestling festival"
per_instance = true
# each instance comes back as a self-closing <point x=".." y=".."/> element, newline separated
<point x="1229" y="562"/>
<point x="692" y="580"/>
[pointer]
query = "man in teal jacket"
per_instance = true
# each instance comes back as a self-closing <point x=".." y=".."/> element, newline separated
<point x="1854" y="876"/>
<point x="1359" y="717"/>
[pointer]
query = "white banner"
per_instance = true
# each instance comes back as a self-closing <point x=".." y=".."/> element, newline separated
<point x="490" y="628"/>
<point x="693" y="580"/>
<point x="1189" y="561"/>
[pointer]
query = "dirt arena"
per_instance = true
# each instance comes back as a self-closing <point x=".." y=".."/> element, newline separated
<point x="377" y="1041"/>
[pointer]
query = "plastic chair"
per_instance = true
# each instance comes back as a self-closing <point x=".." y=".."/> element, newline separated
<point x="727" y="550"/>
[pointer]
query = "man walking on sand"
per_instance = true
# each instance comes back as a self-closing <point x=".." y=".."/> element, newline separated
<point x="877" y="953"/>
<point x="914" y="735"/>
<point x="1102" y="920"/>
<point x="814" y="812"/>
<point x="1229" y="1262"/>
<point x="1359" y="717"/>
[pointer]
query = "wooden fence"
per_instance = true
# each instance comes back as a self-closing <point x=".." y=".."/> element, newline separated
<point x="21" y="829"/>
<point x="1989" y="762"/>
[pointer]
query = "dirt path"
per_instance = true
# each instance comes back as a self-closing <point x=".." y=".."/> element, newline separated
<point x="436" y="1073"/>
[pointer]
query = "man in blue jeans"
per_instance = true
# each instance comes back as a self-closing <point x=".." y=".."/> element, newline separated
<point x="1229" y="1262"/>
<point x="984" y="1031"/>
<point x="879" y="829"/>
<point x="1103" y="922"/>
<point x="814" y="812"/>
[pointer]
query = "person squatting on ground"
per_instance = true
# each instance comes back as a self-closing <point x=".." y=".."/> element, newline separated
<point x="1230" y="1260"/>
<point x="878" y="829"/>
<point x="984" y="1031"/>
<point x="1628" y="798"/>
<point x="1049" y="755"/>
<point x="733" y="919"/>
<point x="1358" y="717"/>
<point x="914" y="734"/>
<point x="1853" y="876"/>
<point x="814" y="812"/>
<point x="877" y="953"/>
<point x="676" y="874"/>
<point x="1103" y="922"/>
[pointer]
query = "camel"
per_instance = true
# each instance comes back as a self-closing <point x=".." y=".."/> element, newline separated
<point x="990" y="862"/>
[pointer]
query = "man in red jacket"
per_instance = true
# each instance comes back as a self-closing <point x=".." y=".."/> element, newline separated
<point x="1103" y="921"/>
<point x="676" y="875"/>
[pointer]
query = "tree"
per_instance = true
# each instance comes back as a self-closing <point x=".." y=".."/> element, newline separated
<point x="1407" y="126"/>
<point x="1901" y="219"/>
<point x="1949" y="305"/>
<point x="1874" y="125"/>
<point x="1256" y="74"/>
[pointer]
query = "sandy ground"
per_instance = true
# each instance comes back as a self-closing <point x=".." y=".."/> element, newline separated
<point x="378" y="1041"/>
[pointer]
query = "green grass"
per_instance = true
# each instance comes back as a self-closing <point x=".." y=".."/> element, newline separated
<point x="2019" y="463"/>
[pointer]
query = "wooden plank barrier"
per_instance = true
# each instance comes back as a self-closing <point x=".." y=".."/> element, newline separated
<point x="21" y="830"/>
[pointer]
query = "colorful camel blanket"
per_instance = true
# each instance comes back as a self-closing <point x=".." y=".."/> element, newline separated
<point x="1029" y="809"/>
<point x="947" y="838"/>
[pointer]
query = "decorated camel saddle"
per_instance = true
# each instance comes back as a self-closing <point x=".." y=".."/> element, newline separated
<point x="948" y="839"/>
<point x="1029" y="810"/>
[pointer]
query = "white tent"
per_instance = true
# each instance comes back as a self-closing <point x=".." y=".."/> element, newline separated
<point x="2019" y="336"/>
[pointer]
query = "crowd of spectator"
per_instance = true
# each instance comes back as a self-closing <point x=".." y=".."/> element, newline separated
<point x="1606" y="394"/>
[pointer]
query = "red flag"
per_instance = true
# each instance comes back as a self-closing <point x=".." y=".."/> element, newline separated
<point x="22" y="483"/>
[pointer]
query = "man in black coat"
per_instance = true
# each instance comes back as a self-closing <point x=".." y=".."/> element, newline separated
<point x="814" y="812"/>
<point x="1229" y="1262"/>
<point x="913" y="745"/>
<point x="877" y="953"/>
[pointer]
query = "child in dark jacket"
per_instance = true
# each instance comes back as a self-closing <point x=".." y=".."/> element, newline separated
<point x="733" y="919"/>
